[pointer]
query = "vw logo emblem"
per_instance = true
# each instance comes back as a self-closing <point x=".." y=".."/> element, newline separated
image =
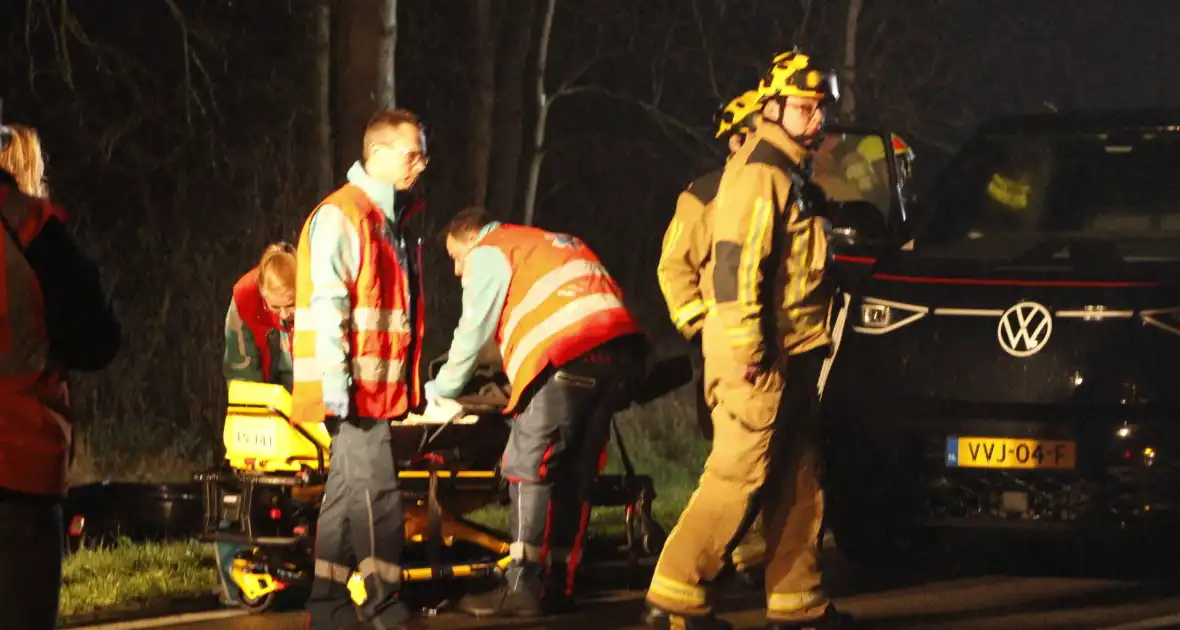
<point x="1024" y="329"/>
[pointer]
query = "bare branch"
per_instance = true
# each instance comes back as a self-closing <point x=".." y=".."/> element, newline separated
<point x="188" y="84"/>
<point x="579" y="72"/>
<point x="800" y="35"/>
<point x="707" y="49"/>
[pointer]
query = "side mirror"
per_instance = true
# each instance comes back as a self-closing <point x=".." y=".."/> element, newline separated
<point x="857" y="225"/>
<point x="845" y="238"/>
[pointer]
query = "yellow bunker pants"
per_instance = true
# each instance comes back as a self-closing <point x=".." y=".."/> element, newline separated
<point x="764" y="451"/>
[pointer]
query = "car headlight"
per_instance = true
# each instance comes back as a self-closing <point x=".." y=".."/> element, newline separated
<point x="877" y="316"/>
<point x="1166" y="319"/>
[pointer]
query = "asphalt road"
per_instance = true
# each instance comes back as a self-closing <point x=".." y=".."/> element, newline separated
<point x="1005" y="587"/>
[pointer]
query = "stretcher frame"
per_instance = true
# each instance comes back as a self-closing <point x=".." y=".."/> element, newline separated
<point x="280" y="555"/>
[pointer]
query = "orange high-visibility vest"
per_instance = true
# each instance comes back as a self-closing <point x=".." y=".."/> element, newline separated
<point x="561" y="303"/>
<point x="35" y="433"/>
<point x="379" y="334"/>
<point x="260" y="321"/>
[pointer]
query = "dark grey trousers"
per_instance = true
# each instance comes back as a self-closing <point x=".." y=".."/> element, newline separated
<point x="360" y="527"/>
<point x="32" y="545"/>
<point x="556" y="448"/>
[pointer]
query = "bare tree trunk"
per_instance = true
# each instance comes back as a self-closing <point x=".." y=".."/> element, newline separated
<point x="483" y="105"/>
<point x="323" y="102"/>
<point x="386" y="55"/>
<point x="357" y="72"/>
<point x="509" y="116"/>
<point x="848" y="96"/>
<point x="543" y="103"/>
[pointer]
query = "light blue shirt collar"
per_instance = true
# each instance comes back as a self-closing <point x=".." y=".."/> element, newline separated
<point x="486" y="230"/>
<point x="382" y="194"/>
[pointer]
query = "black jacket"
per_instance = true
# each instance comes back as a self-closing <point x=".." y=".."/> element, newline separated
<point x="84" y="333"/>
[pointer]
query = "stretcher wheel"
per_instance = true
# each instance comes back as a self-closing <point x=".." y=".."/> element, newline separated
<point x="653" y="536"/>
<point x="645" y="536"/>
<point x="257" y="605"/>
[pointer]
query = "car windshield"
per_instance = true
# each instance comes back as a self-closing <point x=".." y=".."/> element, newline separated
<point x="852" y="167"/>
<point x="1049" y="198"/>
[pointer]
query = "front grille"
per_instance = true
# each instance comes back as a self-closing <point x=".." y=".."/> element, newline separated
<point x="999" y="494"/>
<point x="1093" y="496"/>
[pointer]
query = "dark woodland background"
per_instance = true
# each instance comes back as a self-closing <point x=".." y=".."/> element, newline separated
<point x="184" y="135"/>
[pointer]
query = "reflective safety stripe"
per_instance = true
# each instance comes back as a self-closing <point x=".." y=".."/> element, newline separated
<point x="387" y="572"/>
<point x="378" y="370"/>
<point x="545" y="286"/>
<point x="684" y="595"/>
<point x="331" y="571"/>
<point x="366" y="369"/>
<point x="751" y="256"/>
<point x="793" y="602"/>
<point x="522" y="551"/>
<point x="688" y="312"/>
<point x="742" y="336"/>
<point x="565" y="317"/>
<point x="369" y="319"/>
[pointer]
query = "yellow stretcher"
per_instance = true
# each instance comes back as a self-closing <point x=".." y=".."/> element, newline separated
<point x="266" y="495"/>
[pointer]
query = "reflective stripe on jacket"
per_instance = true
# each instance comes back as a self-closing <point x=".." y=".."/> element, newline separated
<point x="35" y="433"/>
<point x="380" y="339"/>
<point x="688" y="240"/>
<point x="760" y="228"/>
<point x="561" y="303"/>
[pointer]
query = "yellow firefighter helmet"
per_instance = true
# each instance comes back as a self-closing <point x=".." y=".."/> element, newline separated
<point x="737" y="115"/>
<point x="794" y="75"/>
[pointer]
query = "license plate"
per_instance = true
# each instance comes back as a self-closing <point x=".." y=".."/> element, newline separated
<point x="991" y="452"/>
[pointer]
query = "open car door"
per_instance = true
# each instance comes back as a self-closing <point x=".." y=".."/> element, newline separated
<point x="857" y="170"/>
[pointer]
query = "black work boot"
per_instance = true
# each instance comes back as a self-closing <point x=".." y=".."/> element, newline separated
<point x="831" y="618"/>
<point x="664" y="620"/>
<point x="393" y="614"/>
<point x="517" y="594"/>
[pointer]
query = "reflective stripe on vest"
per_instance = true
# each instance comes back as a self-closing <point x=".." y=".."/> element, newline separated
<point x="35" y="435"/>
<point x="554" y="316"/>
<point x="379" y="331"/>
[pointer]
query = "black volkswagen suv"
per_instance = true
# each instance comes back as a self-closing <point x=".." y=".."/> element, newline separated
<point x="1017" y="363"/>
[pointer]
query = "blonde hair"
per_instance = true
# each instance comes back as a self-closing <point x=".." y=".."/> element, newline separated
<point x="23" y="160"/>
<point x="276" y="271"/>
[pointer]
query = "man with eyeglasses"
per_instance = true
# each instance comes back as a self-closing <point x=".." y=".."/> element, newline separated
<point x="357" y="346"/>
<point x="764" y="344"/>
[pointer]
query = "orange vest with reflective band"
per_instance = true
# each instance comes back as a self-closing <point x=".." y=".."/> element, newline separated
<point x="561" y="303"/>
<point x="256" y="317"/>
<point x="35" y="433"/>
<point x="385" y="378"/>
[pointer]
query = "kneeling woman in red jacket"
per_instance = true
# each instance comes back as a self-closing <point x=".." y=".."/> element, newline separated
<point x="258" y="348"/>
<point x="258" y="324"/>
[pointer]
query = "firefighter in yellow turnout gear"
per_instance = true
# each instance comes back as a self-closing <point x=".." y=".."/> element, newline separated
<point x="688" y="292"/>
<point x="764" y="344"/>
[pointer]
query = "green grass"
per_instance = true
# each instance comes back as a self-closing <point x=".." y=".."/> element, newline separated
<point x="664" y="443"/>
<point x="130" y="574"/>
<point x="662" y="440"/>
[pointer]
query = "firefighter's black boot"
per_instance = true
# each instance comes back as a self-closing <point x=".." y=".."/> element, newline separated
<point x="663" y="620"/>
<point x="517" y="594"/>
<point x="832" y="619"/>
